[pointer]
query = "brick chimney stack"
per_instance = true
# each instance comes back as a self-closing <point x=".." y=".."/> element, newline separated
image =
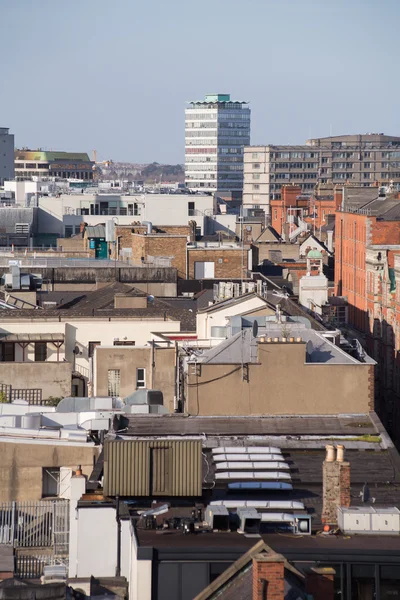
<point x="335" y="484"/>
<point x="268" y="577"/>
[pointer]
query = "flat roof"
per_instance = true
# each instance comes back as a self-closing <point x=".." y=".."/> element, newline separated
<point x="307" y="548"/>
<point x="181" y="425"/>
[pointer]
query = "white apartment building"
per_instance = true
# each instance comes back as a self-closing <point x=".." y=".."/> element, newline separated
<point x="63" y="215"/>
<point x="216" y="130"/>
<point x="362" y="159"/>
<point x="6" y="155"/>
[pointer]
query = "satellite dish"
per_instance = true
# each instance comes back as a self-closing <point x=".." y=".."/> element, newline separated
<point x="76" y="350"/>
<point x="255" y="329"/>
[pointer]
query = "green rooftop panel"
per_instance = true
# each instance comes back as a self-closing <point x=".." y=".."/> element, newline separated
<point x="218" y="98"/>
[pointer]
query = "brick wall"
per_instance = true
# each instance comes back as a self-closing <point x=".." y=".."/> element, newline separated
<point x="335" y="489"/>
<point x="228" y="263"/>
<point x="268" y="577"/>
<point x="320" y="583"/>
<point x="371" y="387"/>
<point x="351" y="238"/>
<point x="386" y="232"/>
<point x="161" y="245"/>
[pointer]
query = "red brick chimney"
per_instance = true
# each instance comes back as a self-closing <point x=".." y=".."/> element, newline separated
<point x="338" y="197"/>
<point x="289" y="194"/>
<point x="335" y="484"/>
<point x="268" y="577"/>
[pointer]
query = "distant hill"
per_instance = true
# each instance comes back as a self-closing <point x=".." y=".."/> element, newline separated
<point x="150" y="173"/>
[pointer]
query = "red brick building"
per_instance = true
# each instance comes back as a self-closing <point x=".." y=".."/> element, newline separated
<point x="295" y="206"/>
<point x="367" y="276"/>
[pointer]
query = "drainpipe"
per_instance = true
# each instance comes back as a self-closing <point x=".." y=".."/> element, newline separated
<point x="153" y="364"/>
<point x="176" y="397"/>
<point x="117" y="517"/>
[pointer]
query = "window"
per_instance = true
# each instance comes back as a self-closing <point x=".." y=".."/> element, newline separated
<point x="275" y="214"/>
<point x="256" y="186"/>
<point x="367" y="175"/>
<point x="114" y="381"/>
<point x="40" y="351"/>
<point x="367" y="165"/>
<point x="8" y="352"/>
<point x="50" y="481"/>
<point x="68" y="231"/>
<point x="254" y="155"/>
<point x="256" y="165"/>
<point x="123" y="343"/>
<point x="140" y="378"/>
<point x="92" y="346"/>
<point x="191" y="209"/>
<point x="256" y="175"/>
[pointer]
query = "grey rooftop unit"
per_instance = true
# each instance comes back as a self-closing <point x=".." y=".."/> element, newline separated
<point x="144" y="396"/>
<point x="217" y="517"/>
<point x="249" y="520"/>
<point x="369" y="520"/>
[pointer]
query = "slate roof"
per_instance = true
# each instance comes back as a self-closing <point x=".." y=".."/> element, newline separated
<point x="236" y="582"/>
<point x="100" y="303"/>
<point x="242" y="346"/>
<point x="384" y="208"/>
<point x="103" y="298"/>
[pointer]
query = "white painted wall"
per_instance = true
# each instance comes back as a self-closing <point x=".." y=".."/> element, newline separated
<point x="126" y="551"/>
<point x="160" y="209"/>
<point x="313" y="292"/>
<point x="217" y="318"/>
<point x="140" y="573"/>
<point x="80" y="332"/>
<point x="224" y="223"/>
<point x="172" y="209"/>
<point x="76" y="489"/>
<point x="97" y="542"/>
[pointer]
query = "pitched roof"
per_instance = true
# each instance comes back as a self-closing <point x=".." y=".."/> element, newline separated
<point x="102" y="298"/>
<point x="315" y="240"/>
<point x="232" y="301"/>
<point x="236" y="582"/>
<point x="268" y="235"/>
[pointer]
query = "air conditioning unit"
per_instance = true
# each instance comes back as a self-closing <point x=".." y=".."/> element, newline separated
<point x="302" y="524"/>
<point x="249" y="520"/>
<point x="369" y="520"/>
<point x="217" y="517"/>
<point x="298" y="524"/>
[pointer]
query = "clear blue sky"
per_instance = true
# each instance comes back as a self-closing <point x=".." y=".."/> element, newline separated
<point x="115" y="75"/>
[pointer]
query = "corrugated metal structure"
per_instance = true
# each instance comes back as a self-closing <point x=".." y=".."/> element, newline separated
<point x="153" y="468"/>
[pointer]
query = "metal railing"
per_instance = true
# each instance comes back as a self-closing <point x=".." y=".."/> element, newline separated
<point x="35" y="524"/>
<point x="33" y="567"/>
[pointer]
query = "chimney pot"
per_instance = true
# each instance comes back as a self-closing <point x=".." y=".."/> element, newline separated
<point x="276" y="339"/>
<point x="299" y="339"/>
<point x="340" y="453"/>
<point x="330" y="453"/>
<point x="78" y="472"/>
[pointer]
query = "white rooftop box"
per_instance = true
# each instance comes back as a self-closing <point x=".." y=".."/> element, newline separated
<point x="369" y="520"/>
